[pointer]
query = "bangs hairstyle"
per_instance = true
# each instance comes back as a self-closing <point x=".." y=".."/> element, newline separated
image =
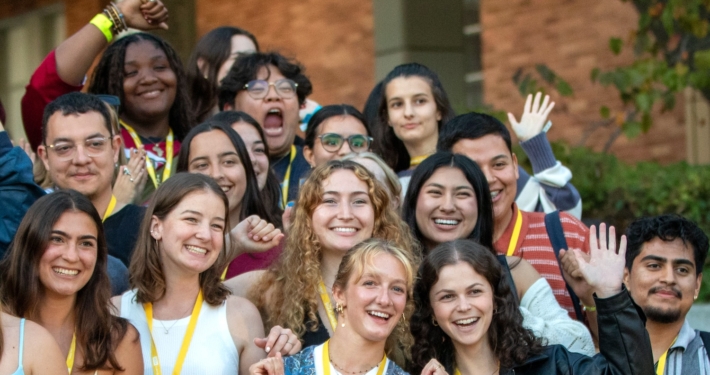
<point x="510" y="341"/>
<point x="251" y="202"/>
<point x="329" y="111"/>
<point x="352" y="268"/>
<point x="471" y="126"/>
<point x="146" y="269"/>
<point x="271" y="192"/>
<point x="98" y="332"/>
<point x="213" y="50"/>
<point x="386" y="142"/>
<point x="483" y="230"/>
<point x="292" y="281"/>
<point x="109" y="75"/>
<point x="247" y="67"/>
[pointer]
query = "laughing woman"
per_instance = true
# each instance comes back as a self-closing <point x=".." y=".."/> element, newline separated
<point x="372" y="293"/>
<point x="55" y="275"/>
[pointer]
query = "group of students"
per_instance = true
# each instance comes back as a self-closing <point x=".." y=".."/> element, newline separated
<point x="242" y="228"/>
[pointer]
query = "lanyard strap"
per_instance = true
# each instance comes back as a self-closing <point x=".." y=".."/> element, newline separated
<point x="516" y="232"/>
<point x="287" y="177"/>
<point x="661" y="368"/>
<point x="326" y="361"/>
<point x="327" y="305"/>
<point x="148" y="307"/>
<point x="413" y="162"/>
<point x="70" y="355"/>
<point x="148" y="164"/>
<point x="109" y="209"/>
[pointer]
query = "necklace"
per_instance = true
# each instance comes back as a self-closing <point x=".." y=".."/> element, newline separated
<point x="326" y="366"/>
<point x="497" y="370"/>
<point x="340" y="369"/>
<point x="167" y="330"/>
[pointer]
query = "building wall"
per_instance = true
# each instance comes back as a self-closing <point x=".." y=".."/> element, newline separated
<point x="571" y="37"/>
<point x="333" y="40"/>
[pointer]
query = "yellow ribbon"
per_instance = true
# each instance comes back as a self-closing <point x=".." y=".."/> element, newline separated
<point x="70" y="355"/>
<point x="326" y="361"/>
<point x="661" y="368"/>
<point x="109" y="209"/>
<point x="287" y="177"/>
<point x="148" y="164"/>
<point x="148" y="307"/>
<point x="327" y="305"/>
<point x="516" y="233"/>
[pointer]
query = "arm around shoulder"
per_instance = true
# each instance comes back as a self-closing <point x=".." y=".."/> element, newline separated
<point x="129" y="353"/>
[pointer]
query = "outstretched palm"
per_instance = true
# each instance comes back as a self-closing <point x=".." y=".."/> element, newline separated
<point x="604" y="271"/>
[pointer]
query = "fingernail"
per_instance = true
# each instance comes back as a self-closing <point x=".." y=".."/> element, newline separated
<point x="268" y="349"/>
<point x="290" y="204"/>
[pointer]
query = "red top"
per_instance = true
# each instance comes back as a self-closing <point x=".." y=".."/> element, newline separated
<point x="251" y="262"/>
<point x="535" y="247"/>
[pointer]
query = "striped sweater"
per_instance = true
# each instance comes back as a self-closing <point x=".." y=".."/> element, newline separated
<point x="534" y="246"/>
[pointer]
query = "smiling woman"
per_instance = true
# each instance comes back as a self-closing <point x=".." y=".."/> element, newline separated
<point x="55" y="275"/>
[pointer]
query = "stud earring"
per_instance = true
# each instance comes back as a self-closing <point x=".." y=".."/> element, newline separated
<point x="339" y="307"/>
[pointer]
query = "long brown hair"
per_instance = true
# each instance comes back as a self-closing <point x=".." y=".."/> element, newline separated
<point x="146" y="268"/>
<point x="292" y="281"/>
<point x="98" y="332"/>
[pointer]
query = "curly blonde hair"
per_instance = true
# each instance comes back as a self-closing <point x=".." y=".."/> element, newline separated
<point x="292" y="281"/>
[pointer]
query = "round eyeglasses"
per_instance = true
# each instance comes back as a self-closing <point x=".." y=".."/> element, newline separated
<point x="333" y="142"/>
<point x="258" y="88"/>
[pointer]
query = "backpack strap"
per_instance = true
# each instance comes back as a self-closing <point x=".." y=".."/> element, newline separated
<point x="503" y="260"/>
<point x="705" y="336"/>
<point x="558" y="241"/>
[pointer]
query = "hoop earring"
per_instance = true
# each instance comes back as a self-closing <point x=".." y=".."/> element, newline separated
<point x="434" y="322"/>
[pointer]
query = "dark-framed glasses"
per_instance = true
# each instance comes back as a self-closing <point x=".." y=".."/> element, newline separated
<point x="333" y="142"/>
<point x="258" y="88"/>
<point x="66" y="150"/>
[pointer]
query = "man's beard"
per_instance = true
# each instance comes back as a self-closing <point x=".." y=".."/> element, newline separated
<point x="660" y="315"/>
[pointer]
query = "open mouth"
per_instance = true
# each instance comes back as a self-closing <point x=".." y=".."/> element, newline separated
<point x="273" y="122"/>
<point x="379" y="315"/>
<point x="65" y="271"/>
<point x="196" y="250"/>
<point x="225" y="188"/>
<point x="495" y="195"/>
<point x="466" y="322"/>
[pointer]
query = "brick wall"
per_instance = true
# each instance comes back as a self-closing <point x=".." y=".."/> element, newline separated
<point x="334" y="40"/>
<point x="571" y="37"/>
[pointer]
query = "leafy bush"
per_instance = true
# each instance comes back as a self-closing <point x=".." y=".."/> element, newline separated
<point x="616" y="193"/>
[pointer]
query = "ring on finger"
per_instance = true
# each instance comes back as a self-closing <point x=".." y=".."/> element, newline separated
<point x="130" y="179"/>
<point x="126" y="171"/>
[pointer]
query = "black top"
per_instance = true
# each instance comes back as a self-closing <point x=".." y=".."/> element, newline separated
<point x="318" y="337"/>
<point x="121" y="231"/>
<point x="299" y="168"/>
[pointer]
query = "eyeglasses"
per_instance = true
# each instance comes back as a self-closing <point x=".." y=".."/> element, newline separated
<point x="92" y="147"/>
<point x="333" y="142"/>
<point x="258" y="88"/>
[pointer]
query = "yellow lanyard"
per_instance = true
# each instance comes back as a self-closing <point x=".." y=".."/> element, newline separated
<point x="413" y="162"/>
<point x="148" y="307"/>
<point x="327" y="305"/>
<point x="287" y="177"/>
<point x="70" y="355"/>
<point x="516" y="233"/>
<point x="148" y="164"/>
<point x="109" y="209"/>
<point x="326" y="361"/>
<point x="661" y="368"/>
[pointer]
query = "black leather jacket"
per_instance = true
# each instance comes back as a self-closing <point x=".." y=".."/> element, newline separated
<point x="623" y="342"/>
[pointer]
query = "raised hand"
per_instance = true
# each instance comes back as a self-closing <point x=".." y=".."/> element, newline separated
<point x="604" y="271"/>
<point x="268" y="366"/>
<point x="144" y="14"/>
<point x="534" y="117"/>
<point x="131" y="178"/>
<point x="280" y="341"/>
<point x="255" y="235"/>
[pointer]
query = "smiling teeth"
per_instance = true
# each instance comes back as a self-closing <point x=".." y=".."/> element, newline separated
<point x="495" y="193"/>
<point x="379" y="314"/>
<point x="64" y="271"/>
<point x="197" y="250"/>
<point x="466" y="321"/>
<point x="225" y="188"/>
<point x="274" y="111"/>
<point x="344" y="230"/>
<point x="446" y="222"/>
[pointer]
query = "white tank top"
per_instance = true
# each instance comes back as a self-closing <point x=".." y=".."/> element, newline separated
<point x="211" y="351"/>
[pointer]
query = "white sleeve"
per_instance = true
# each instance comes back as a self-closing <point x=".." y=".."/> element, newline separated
<point x="549" y="321"/>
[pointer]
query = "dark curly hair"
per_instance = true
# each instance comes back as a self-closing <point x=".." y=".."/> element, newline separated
<point x="510" y="341"/>
<point x="668" y="228"/>
<point x="109" y="75"/>
<point x="247" y="67"/>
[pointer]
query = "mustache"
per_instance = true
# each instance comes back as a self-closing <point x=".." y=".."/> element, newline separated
<point x="657" y="289"/>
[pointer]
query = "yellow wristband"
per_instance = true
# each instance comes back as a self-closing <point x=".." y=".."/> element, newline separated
<point x="588" y="308"/>
<point x="104" y="24"/>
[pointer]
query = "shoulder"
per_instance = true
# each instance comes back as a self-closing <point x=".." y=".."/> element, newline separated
<point x="242" y="307"/>
<point x="243" y="318"/>
<point x="571" y="223"/>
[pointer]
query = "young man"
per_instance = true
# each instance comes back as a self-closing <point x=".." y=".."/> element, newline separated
<point x="272" y="89"/>
<point x="486" y="141"/>
<point x="664" y="264"/>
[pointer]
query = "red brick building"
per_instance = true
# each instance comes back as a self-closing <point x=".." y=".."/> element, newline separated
<point x="475" y="45"/>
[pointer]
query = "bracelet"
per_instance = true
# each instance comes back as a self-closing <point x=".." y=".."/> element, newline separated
<point x="119" y="23"/>
<point x="104" y="24"/>
<point x="588" y="308"/>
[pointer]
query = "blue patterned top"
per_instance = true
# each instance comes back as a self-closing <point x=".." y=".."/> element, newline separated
<point x="303" y="363"/>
